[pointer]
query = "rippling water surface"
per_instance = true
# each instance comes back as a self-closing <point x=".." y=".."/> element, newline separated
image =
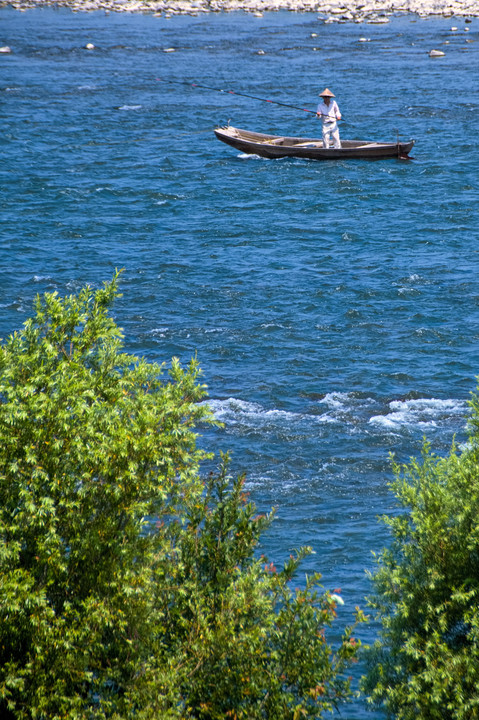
<point x="334" y="306"/>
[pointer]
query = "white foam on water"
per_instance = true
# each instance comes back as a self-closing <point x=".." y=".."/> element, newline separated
<point x="234" y="410"/>
<point x="276" y="325"/>
<point x="338" y="403"/>
<point x="346" y="407"/>
<point x="130" y="107"/>
<point x="159" y="332"/>
<point x="336" y="400"/>
<point x="420" y="412"/>
<point x="349" y="413"/>
<point x="326" y="418"/>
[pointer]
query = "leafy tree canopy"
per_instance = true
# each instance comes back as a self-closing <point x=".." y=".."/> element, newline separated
<point x="130" y="587"/>
<point x="426" y="590"/>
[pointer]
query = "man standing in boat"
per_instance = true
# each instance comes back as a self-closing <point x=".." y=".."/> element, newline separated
<point x="328" y="111"/>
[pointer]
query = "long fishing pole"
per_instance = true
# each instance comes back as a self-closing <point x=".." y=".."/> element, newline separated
<point x="234" y="92"/>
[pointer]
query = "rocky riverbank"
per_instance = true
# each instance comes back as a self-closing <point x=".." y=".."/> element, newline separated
<point x="372" y="11"/>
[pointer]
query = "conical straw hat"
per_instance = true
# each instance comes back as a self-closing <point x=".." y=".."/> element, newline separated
<point x="326" y="93"/>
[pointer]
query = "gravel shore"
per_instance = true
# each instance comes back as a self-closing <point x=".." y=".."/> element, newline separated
<point x="372" y="11"/>
<point x="330" y="11"/>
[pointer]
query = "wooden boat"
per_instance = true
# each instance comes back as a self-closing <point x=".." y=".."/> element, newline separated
<point x="276" y="146"/>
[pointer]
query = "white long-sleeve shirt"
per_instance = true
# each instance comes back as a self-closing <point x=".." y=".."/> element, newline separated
<point x="329" y="113"/>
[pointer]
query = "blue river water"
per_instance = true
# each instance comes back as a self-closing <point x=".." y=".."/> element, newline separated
<point x="334" y="306"/>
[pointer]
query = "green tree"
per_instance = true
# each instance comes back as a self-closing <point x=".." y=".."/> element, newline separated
<point x="426" y="590"/>
<point x="129" y="588"/>
<point x="254" y="648"/>
<point x="92" y="444"/>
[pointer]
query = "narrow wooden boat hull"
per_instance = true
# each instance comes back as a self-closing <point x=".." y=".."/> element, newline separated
<point x="277" y="146"/>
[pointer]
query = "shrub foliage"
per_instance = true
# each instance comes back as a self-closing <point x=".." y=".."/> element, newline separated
<point x="426" y="590"/>
<point x="130" y="587"/>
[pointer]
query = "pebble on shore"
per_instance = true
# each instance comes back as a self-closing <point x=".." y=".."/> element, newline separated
<point x="371" y="11"/>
